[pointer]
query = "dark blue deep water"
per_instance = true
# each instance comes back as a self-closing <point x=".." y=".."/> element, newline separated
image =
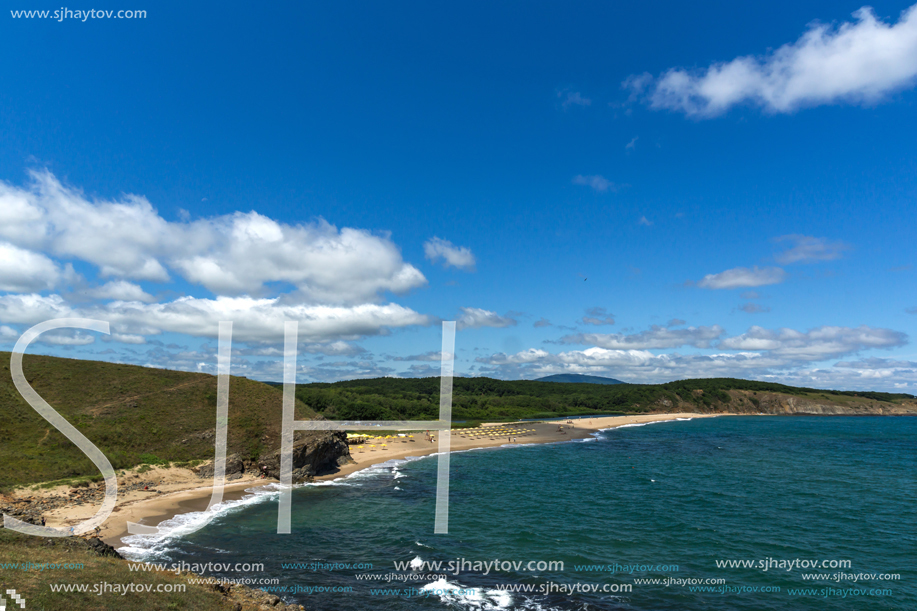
<point x="671" y="498"/>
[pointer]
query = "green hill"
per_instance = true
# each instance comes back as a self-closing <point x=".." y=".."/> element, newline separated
<point x="577" y="378"/>
<point x="141" y="415"/>
<point x="133" y="414"/>
<point x="487" y="399"/>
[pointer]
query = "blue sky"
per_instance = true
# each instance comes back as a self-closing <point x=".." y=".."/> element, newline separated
<point x="646" y="192"/>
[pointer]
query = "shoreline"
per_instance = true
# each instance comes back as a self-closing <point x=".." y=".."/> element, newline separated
<point x="191" y="494"/>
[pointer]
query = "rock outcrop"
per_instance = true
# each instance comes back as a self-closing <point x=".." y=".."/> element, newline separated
<point x="314" y="453"/>
<point x="750" y="402"/>
<point x="235" y="466"/>
<point x="103" y="549"/>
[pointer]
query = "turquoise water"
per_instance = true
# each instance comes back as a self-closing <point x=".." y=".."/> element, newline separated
<point x="677" y="494"/>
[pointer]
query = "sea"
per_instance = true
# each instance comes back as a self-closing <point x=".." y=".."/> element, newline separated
<point x="730" y="513"/>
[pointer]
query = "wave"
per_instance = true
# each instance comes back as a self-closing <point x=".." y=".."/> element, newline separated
<point x="456" y="595"/>
<point x="624" y="426"/>
<point x="143" y="547"/>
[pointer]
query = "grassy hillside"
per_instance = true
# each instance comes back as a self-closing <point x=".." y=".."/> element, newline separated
<point x="480" y="399"/>
<point x="72" y="561"/>
<point x="133" y="414"/>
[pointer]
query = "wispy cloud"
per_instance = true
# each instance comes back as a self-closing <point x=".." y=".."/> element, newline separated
<point x="120" y="290"/>
<point x="645" y="222"/>
<point x="808" y="249"/>
<point x="426" y="356"/>
<point x="858" y="62"/>
<point x="573" y="98"/>
<point x="542" y="322"/>
<point x="817" y="344"/>
<point x="596" y="181"/>
<point x="783" y="355"/>
<point x="598" y="316"/>
<point x="455" y="256"/>
<point x="743" y="277"/>
<point x="753" y="308"/>
<point x="8" y="334"/>
<point x="656" y="337"/>
<point x="632" y="144"/>
<point x="475" y="318"/>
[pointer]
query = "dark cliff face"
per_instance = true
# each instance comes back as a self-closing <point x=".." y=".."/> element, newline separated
<point x="314" y="453"/>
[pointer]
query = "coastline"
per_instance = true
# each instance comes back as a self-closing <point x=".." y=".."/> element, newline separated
<point x="182" y="492"/>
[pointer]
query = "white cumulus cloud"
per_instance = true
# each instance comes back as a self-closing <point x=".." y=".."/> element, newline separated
<point x="255" y="320"/>
<point x="22" y="270"/>
<point x="859" y="61"/>
<point x="234" y="254"/>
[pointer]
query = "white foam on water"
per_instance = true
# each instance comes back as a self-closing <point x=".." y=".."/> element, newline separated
<point x="456" y="595"/>
<point x="530" y="604"/>
<point x="624" y="426"/>
<point x="143" y="547"/>
<point x="416" y="563"/>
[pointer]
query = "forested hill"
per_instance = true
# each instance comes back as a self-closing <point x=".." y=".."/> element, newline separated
<point x="578" y="378"/>
<point x="482" y="399"/>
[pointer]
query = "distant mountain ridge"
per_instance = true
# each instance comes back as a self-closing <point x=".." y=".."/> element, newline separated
<point x="578" y="378"/>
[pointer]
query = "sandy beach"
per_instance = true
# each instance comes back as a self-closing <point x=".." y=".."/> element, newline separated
<point x="178" y="490"/>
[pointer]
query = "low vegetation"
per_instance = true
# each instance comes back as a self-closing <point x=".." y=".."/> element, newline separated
<point x="134" y="415"/>
<point x="32" y="565"/>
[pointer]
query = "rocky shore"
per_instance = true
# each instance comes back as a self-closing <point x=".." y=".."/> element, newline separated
<point x="314" y="453"/>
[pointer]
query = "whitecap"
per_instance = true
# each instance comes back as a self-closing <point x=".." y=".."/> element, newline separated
<point x="138" y="547"/>
<point x="469" y="598"/>
<point x="624" y="426"/>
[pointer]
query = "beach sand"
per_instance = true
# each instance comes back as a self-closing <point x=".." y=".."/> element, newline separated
<point x="179" y="490"/>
